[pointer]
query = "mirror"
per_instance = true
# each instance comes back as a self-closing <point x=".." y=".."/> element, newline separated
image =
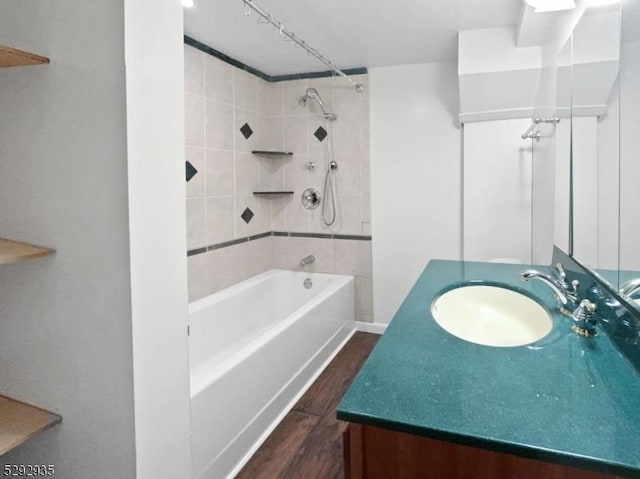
<point x="629" y="248"/>
<point x="593" y="138"/>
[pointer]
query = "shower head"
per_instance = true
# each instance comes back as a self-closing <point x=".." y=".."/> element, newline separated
<point x="314" y="95"/>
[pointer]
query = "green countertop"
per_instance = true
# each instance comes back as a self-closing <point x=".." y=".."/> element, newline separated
<point x="564" y="399"/>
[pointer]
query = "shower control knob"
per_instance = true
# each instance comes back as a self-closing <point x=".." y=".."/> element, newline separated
<point x="310" y="198"/>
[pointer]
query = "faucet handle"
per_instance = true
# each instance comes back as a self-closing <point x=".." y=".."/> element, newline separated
<point x="561" y="275"/>
<point x="584" y="318"/>
<point x="574" y="285"/>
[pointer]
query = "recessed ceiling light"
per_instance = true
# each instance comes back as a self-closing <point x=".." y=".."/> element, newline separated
<point x="188" y="3"/>
<point x="542" y="6"/>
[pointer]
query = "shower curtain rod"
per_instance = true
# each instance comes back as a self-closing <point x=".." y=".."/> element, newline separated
<point x="288" y="34"/>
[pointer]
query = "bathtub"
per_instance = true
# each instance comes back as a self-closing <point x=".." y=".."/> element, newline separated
<point x="254" y="348"/>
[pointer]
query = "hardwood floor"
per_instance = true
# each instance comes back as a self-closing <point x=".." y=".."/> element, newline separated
<point x="307" y="444"/>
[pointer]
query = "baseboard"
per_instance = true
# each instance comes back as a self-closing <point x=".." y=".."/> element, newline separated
<point x="375" y="328"/>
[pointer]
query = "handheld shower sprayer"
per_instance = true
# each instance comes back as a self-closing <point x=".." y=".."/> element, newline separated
<point x="330" y="203"/>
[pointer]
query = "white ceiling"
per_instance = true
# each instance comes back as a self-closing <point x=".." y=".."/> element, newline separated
<point x="351" y="33"/>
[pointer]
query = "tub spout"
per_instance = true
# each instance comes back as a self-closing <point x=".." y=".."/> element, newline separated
<point x="307" y="260"/>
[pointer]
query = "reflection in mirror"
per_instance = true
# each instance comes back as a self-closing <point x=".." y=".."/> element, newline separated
<point x="562" y="177"/>
<point x="629" y="254"/>
<point x="594" y="140"/>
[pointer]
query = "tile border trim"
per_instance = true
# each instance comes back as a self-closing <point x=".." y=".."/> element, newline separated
<point x="266" y="77"/>
<point x="290" y="234"/>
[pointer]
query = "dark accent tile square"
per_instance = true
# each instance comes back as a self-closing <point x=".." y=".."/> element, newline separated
<point x="246" y="131"/>
<point x="191" y="171"/>
<point x="320" y="133"/>
<point x="246" y="215"/>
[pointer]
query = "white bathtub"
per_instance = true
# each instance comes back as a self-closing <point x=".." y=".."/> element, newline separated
<point x="254" y="348"/>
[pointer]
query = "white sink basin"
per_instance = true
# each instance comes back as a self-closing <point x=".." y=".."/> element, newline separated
<point x="491" y="316"/>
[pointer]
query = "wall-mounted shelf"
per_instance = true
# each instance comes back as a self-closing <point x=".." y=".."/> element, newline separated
<point x="13" y="251"/>
<point x="272" y="193"/>
<point x="20" y="422"/>
<point x="12" y="57"/>
<point x="272" y="153"/>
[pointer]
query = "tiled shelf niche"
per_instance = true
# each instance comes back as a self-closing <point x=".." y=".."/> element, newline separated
<point x="14" y="251"/>
<point x="272" y="153"/>
<point x="12" y="57"/>
<point x="20" y="422"/>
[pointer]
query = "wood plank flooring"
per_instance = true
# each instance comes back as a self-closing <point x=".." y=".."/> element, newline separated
<point x="307" y="444"/>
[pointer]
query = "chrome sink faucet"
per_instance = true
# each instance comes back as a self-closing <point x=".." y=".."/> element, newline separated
<point x="581" y="311"/>
<point x="566" y="293"/>
<point x="630" y="288"/>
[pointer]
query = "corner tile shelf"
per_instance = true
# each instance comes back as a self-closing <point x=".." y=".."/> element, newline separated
<point x="12" y="57"/>
<point x="20" y="422"/>
<point x="14" y="251"/>
<point x="272" y="153"/>
<point x="272" y="193"/>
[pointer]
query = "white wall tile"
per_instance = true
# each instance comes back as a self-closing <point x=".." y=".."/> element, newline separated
<point x="246" y="171"/>
<point x="278" y="123"/>
<point x="317" y="147"/>
<point x="261" y="220"/>
<point x="270" y="97"/>
<point x="296" y="135"/>
<point x="193" y="120"/>
<point x="218" y="80"/>
<point x="292" y="91"/>
<point x="346" y="98"/>
<point x="270" y="173"/>
<point x="228" y="266"/>
<point x="270" y="133"/>
<point x="259" y="256"/>
<point x="348" y="174"/>
<point x="219" y="125"/>
<point x="195" y="223"/>
<point x="193" y="71"/>
<point x="251" y="119"/>
<point x="278" y="206"/>
<point x="199" y="276"/>
<point x="195" y="186"/>
<point x="288" y="252"/>
<point x="219" y="174"/>
<point x="366" y="208"/>
<point x="364" y="295"/>
<point x="296" y="174"/>
<point x="347" y="134"/>
<point x="353" y="257"/>
<point x="220" y="219"/>
<point x="350" y="207"/>
<point x="245" y="88"/>
<point x="296" y="217"/>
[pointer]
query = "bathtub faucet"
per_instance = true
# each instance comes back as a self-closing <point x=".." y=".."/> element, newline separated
<point x="307" y="260"/>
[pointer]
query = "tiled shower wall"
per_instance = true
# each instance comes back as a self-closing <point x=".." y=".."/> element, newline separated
<point x="229" y="113"/>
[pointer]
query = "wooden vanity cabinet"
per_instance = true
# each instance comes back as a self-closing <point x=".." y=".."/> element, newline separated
<point x="376" y="453"/>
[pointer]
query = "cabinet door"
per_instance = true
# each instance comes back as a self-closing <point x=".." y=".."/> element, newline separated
<point x="375" y="453"/>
